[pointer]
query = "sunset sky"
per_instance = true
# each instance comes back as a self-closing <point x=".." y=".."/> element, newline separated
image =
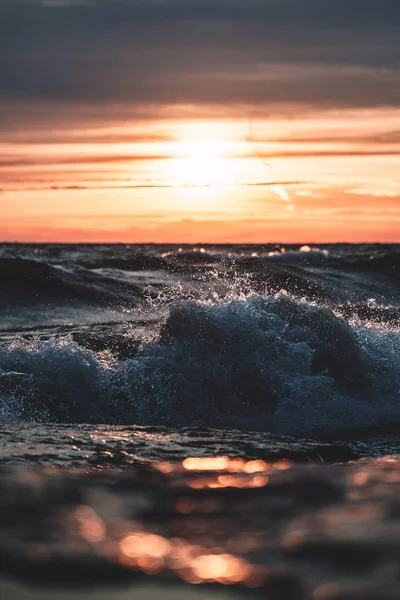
<point x="200" y="120"/>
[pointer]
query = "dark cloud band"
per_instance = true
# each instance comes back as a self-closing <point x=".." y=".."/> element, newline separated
<point x="342" y="53"/>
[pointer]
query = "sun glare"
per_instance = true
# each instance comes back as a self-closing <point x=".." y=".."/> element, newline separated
<point x="203" y="159"/>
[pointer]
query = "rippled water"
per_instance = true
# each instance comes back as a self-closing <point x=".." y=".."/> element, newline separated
<point x="225" y="416"/>
<point x="257" y="528"/>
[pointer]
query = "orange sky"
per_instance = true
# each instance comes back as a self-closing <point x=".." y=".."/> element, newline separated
<point x="200" y="120"/>
<point x="199" y="176"/>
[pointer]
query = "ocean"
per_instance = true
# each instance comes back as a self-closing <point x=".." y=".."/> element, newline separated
<point x="222" y="418"/>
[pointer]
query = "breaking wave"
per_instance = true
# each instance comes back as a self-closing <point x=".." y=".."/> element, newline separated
<point x="266" y="363"/>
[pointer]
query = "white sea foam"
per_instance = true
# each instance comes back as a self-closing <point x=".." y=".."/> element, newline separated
<point x="271" y="364"/>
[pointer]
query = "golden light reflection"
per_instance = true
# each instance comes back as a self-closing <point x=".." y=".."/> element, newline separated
<point x="207" y="557"/>
<point x="192" y="562"/>
<point x="148" y="521"/>
<point x="222" y="568"/>
<point x="223" y="472"/>
<point x="232" y="465"/>
<point x="360" y="478"/>
<point x="206" y="464"/>
<point x="145" y="544"/>
<point x="224" y="463"/>
<point x="91" y="527"/>
<point x="229" y="481"/>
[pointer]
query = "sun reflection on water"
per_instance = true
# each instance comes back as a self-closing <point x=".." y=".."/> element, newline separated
<point x="192" y="562"/>
<point x="195" y="555"/>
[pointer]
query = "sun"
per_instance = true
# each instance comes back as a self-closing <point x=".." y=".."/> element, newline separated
<point x="202" y="159"/>
<point x="204" y="163"/>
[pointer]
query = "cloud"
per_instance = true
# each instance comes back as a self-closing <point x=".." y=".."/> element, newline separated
<point x="156" y="52"/>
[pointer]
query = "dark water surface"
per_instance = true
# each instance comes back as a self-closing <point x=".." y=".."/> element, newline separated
<point x="118" y="363"/>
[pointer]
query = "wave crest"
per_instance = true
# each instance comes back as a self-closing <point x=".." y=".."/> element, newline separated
<point x="271" y="364"/>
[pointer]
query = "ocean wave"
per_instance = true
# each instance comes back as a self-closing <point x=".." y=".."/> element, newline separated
<point x="303" y="255"/>
<point x="379" y="261"/>
<point x="119" y="277"/>
<point x="137" y="262"/>
<point x="266" y="363"/>
<point x="387" y="264"/>
<point x="26" y="281"/>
